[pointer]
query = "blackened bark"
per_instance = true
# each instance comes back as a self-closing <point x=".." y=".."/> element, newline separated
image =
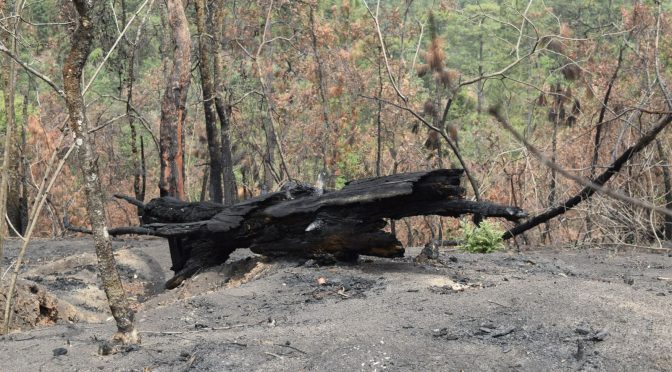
<point x="173" y="106"/>
<point x="81" y="41"/>
<point x="300" y="221"/>
<point x="208" y="87"/>
<point x="230" y="188"/>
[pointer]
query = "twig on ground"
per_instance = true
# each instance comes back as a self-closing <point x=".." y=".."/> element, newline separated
<point x="497" y="303"/>
<point x="292" y="347"/>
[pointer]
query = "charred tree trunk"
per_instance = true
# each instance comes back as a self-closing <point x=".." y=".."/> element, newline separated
<point x="72" y="75"/>
<point x="208" y="87"/>
<point x="230" y="187"/>
<point x="139" y="174"/>
<point x="300" y="221"/>
<point x="173" y="107"/>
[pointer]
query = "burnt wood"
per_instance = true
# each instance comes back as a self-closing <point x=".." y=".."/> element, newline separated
<point x="301" y="221"/>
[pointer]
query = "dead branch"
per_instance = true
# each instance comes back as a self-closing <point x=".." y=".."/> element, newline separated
<point x="590" y="186"/>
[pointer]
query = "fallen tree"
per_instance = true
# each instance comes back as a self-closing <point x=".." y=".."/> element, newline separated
<point x="302" y="221"/>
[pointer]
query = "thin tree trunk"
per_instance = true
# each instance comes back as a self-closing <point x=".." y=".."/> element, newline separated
<point x="480" y="83"/>
<point x="25" y="166"/>
<point x="173" y="107"/>
<point x="9" y="155"/>
<point x="230" y="188"/>
<point x="321" y="89"/>
<point x="379" y="123"/>
<point x="667" y="183"/>
<point x="598" y="130"/>
<point x="81" y="41"/>
<point x="269" y="157"/>
<point x="603" y="110"/>
<point x="207" y="85"/>
<point x="138" y="157"/>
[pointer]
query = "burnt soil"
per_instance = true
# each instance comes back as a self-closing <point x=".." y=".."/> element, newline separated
<point x="535" y="310"/>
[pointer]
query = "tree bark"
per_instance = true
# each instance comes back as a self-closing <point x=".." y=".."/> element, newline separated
<point x="139" y="174"/>
<point x="326" y="137"/>
<point x="209" y="109"/>
<point x="81" y="41"/>
<point x="173" y="107"/>
<point x="230" y="188"/>
<point x="10" y="158"/>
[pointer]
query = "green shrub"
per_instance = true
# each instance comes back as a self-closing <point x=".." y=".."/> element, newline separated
<point x="485" y="238"/>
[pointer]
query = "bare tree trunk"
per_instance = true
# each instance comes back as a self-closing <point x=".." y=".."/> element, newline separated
<point x="230" y="188"/>
<point x="598" y="130"/>
<point x="379" y="121"/>
<point x="269" y="157"/>
<point x="72" y="75"/>
<point x="667" y="184"/>
<point x="139" y="176"/>
<point x="173" y="107"/>
<point x="207" y="84"/>
<point x="25" y="166"/>
<point x="10" y="144"/>
<point x="323" y="100"/>
<point x="479" y="85"/>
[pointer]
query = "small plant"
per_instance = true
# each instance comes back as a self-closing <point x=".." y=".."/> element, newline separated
<point x="486" y="238"/>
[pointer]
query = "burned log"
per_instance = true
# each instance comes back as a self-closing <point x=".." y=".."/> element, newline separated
<point x="301" y="221"/>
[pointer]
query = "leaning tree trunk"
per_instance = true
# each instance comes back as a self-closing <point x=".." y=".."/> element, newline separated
<point x="72" y="75"/>
<point x="173" y="107"/>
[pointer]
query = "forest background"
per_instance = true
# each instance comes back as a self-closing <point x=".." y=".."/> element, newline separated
<point x="279" y="90"/>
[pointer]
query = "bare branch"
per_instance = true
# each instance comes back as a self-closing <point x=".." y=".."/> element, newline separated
<point x="522" y="28"/>
<point x="114" y="46"/>
<point x="33" y="71"/>
<point x="384" y="50"/>
<point x="101" y="126"/>
<point x="504" y="70"/>
<point x="444" y="135"/>
<point x="130" y="200"/>
<point x="590" y="186"/>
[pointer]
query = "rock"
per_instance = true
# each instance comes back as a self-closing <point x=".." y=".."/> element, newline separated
<point x="582" y="330"/>
<point x="105" y="348"/>
<point x="600" y="335"/>
<point x="60" y="351"/>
